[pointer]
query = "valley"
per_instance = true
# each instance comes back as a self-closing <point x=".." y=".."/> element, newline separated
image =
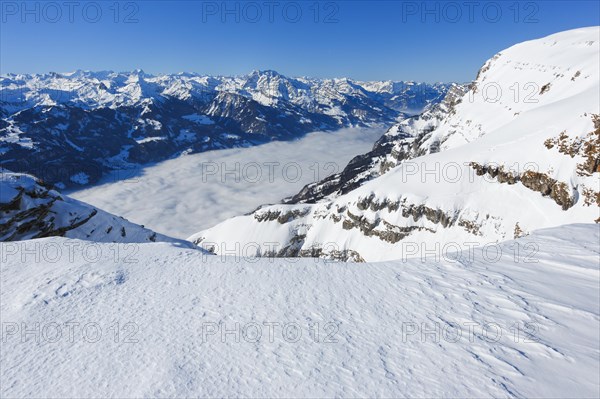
<point x="259" y="235"/>
<point x="166" y="197"/>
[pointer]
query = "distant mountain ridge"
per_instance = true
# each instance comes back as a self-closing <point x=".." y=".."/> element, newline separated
<point x="70" y="129"/>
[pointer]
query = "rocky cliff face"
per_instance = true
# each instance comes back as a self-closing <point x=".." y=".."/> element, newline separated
<point x="70" y="129"/>
<point x="516" y="150"/>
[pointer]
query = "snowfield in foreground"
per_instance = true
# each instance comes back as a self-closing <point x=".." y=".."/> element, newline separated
<point x="191" y="324"/>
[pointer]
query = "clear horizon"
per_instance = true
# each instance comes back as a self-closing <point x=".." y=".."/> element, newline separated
<point x="222" y="75"/>
<point x="399" y="41"/>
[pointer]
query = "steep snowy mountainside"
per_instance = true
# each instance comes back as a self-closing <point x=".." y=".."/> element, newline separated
<point x="31" y="209"/>
<point x="490" y="169"/>
<point x="523" y="80"/>
<point x="181" y="324"/>
<point x="89" y="123"/>
<point x="401" y="142"/>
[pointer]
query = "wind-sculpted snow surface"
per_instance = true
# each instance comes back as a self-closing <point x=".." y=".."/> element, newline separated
<point x="519" y="320"/>
<point x="518" y="151"/>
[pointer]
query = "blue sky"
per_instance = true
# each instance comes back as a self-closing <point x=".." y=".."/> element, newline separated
<point x="399" y="40"/>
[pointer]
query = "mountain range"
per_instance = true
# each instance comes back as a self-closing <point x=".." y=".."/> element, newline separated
<point x="482" y="163"/>
<point x="71" y="129"/>
<point x="469" y="226"/>
<point x="514" y="151"/>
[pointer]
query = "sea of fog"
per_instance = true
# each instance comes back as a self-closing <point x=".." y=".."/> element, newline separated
<point x="182" y="196"/>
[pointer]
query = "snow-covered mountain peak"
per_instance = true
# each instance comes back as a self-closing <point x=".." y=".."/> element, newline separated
<point x="522" y="79"/>
<point x="74" y="87"/>
<point x="482" y="166"/>
<point x="67" y="118"/>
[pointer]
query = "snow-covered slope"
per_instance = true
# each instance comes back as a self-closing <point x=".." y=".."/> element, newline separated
<point x="70" y="129"/>
<point x="520" y="150"/>
<point x="401" y="142"/>
<point x="170" y="322"/>
<point x="30" y="209"/>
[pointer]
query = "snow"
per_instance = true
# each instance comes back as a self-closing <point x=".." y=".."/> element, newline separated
<point x="8" y="193"/>
<point x="510" y="91"/>
<point x="41" y="209"/>
<point x="80" y="178"/>
<point x="473" y="328"/>
<point x="199" y="119"/>
<point x="110" y="89"/>
<point x="445" y="312"/>
<point x="230" y="136"/>
<point x="151" y="139"/>
<point x="509" y="131"/>
<point x="181" y="196"/>
<point x="13" y="134"/>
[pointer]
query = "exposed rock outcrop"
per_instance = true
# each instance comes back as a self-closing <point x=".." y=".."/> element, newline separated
<point x="29" y="209"/>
